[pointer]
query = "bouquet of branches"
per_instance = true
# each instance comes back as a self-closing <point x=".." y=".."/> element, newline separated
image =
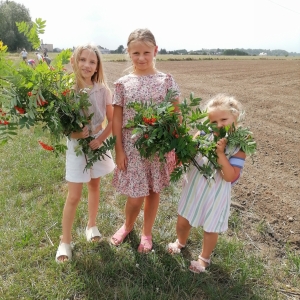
<point x="160" y="129"/>
<point x="44" y="96"/>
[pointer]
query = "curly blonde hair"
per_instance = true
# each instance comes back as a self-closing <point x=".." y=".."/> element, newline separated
<point x="226" y="103"/>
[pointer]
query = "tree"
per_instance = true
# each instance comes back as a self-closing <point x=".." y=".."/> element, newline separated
<point x="162" y="51"/>
<point x="10" y="13"/>
<point x="120" y="49"/>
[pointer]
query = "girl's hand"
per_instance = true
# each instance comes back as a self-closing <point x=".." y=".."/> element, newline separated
<point x="95" y="144"/>
<point x="220" y="147"/>
<point x="81" y="134"/>
<point x="121" y="160"/>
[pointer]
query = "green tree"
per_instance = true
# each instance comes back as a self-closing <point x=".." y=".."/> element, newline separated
<point x="120" y="49"/>
<point x="162" y="51"/>
<point x="10" y="13"/>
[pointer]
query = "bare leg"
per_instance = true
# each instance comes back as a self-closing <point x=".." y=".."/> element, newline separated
<point x="183" y="229"/>
<point x="132" y="210"/>
<point x="150" y="211"/>
<point x="209" y="243"/>
<point x="93" y="203"/>
<point x="73" y="198"/>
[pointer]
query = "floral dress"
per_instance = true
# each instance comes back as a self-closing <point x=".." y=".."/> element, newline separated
<point x="141" y="175"/>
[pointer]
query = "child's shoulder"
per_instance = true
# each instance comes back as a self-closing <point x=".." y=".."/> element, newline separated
<point x="124" y="79"/>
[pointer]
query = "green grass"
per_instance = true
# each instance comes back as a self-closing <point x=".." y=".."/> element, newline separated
<point x="32" y="196"/>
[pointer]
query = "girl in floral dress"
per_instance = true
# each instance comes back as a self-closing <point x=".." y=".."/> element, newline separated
<point x="139" y="178"/>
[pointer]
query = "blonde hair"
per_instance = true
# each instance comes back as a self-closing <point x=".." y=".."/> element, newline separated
<point x="98" y="76"/>
<point x="141" y="35"/>
<point x="226" y="103"/>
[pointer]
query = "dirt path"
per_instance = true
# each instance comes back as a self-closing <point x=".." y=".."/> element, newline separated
<point x="268" y="195"/>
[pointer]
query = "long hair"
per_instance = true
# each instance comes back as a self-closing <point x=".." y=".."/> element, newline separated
<point x="98" y="76"/>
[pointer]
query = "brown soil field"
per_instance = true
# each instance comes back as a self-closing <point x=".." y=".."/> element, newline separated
<point x="267" y="197"/>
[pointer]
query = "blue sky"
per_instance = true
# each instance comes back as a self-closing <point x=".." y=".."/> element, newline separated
<point x="188" y="24"/>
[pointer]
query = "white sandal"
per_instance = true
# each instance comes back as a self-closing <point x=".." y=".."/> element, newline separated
<point x="92" y="233"/>
<point x="63" y="250"/>
<point x="175" y="248"/>
<point x="196" y="267"/>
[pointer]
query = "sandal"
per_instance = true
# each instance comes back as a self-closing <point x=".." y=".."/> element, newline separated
<point x="64" y="250"/>
<point x="175" y="248"/>
<point x="119" y="236"/>
<point x="196" y="267"/>
<point x="146" y="244"/>
<point x="92" y="234"/>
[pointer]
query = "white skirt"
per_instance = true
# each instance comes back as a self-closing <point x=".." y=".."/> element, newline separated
<point x="75" y="165"/>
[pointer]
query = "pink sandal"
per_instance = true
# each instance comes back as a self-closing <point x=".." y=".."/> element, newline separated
<point x="119" y="236"/>
<point x="146" y="244"/>
<point x="196" y="267"/>
<point x="175" y="248"/>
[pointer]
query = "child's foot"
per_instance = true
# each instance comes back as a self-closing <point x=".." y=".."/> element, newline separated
<point x="146" y="244"/>
<point x="64" y="253"/>
<point x="175" y="248"/>
<point x="200" y="265"/>
<point x="119" y="236"/>
<point x="92" y="234"/>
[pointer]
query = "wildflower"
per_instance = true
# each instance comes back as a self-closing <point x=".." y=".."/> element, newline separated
<point x="29" y="94"/>
<point x="146" y="136"/>
<point x="4" y="122"/>
<point x="46" y="147"/>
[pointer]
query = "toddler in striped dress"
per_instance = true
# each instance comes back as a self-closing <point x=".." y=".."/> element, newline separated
<point x="207" y="203"/>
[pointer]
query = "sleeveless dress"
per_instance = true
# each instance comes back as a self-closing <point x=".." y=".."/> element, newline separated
<point x="141" y="175"/>
<point x="207" y="203"/>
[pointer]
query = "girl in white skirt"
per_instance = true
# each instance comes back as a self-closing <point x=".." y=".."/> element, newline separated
<point x="87" y="66"/>
<point x="207" y="203"/>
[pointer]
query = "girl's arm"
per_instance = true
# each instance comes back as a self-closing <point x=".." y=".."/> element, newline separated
<point x="229" y="172"/>
<point x="121" y="159"/>
<point x="96" y="143"/>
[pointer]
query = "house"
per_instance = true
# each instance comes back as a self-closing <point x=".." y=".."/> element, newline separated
<point x="49" y="47"/>
<point x="263" y="54"/>
<point x="103" y="50"/>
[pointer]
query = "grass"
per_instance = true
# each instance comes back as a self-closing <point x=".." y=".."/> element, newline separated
<point x="32" y="196"/>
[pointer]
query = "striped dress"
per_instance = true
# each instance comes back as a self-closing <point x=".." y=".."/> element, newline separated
<point x="207" y="203"/>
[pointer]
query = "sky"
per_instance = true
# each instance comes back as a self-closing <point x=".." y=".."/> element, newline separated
<point x="180" y="24"/>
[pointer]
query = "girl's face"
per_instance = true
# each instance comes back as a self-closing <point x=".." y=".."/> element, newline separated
<point x="142" y="55"/>
<point x="221" y="118"/>
<point x="87" y="65"/>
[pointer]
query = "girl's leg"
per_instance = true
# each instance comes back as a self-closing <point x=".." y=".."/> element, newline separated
<point x="150" y="211"/>
<point x="209" y="243"/>
<point x="93" y="207"/>
<point x="73" y="198"/>
<point x="132" y="210"/>
<point x="183" y="229"/>
<point x="93" y="200"/>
